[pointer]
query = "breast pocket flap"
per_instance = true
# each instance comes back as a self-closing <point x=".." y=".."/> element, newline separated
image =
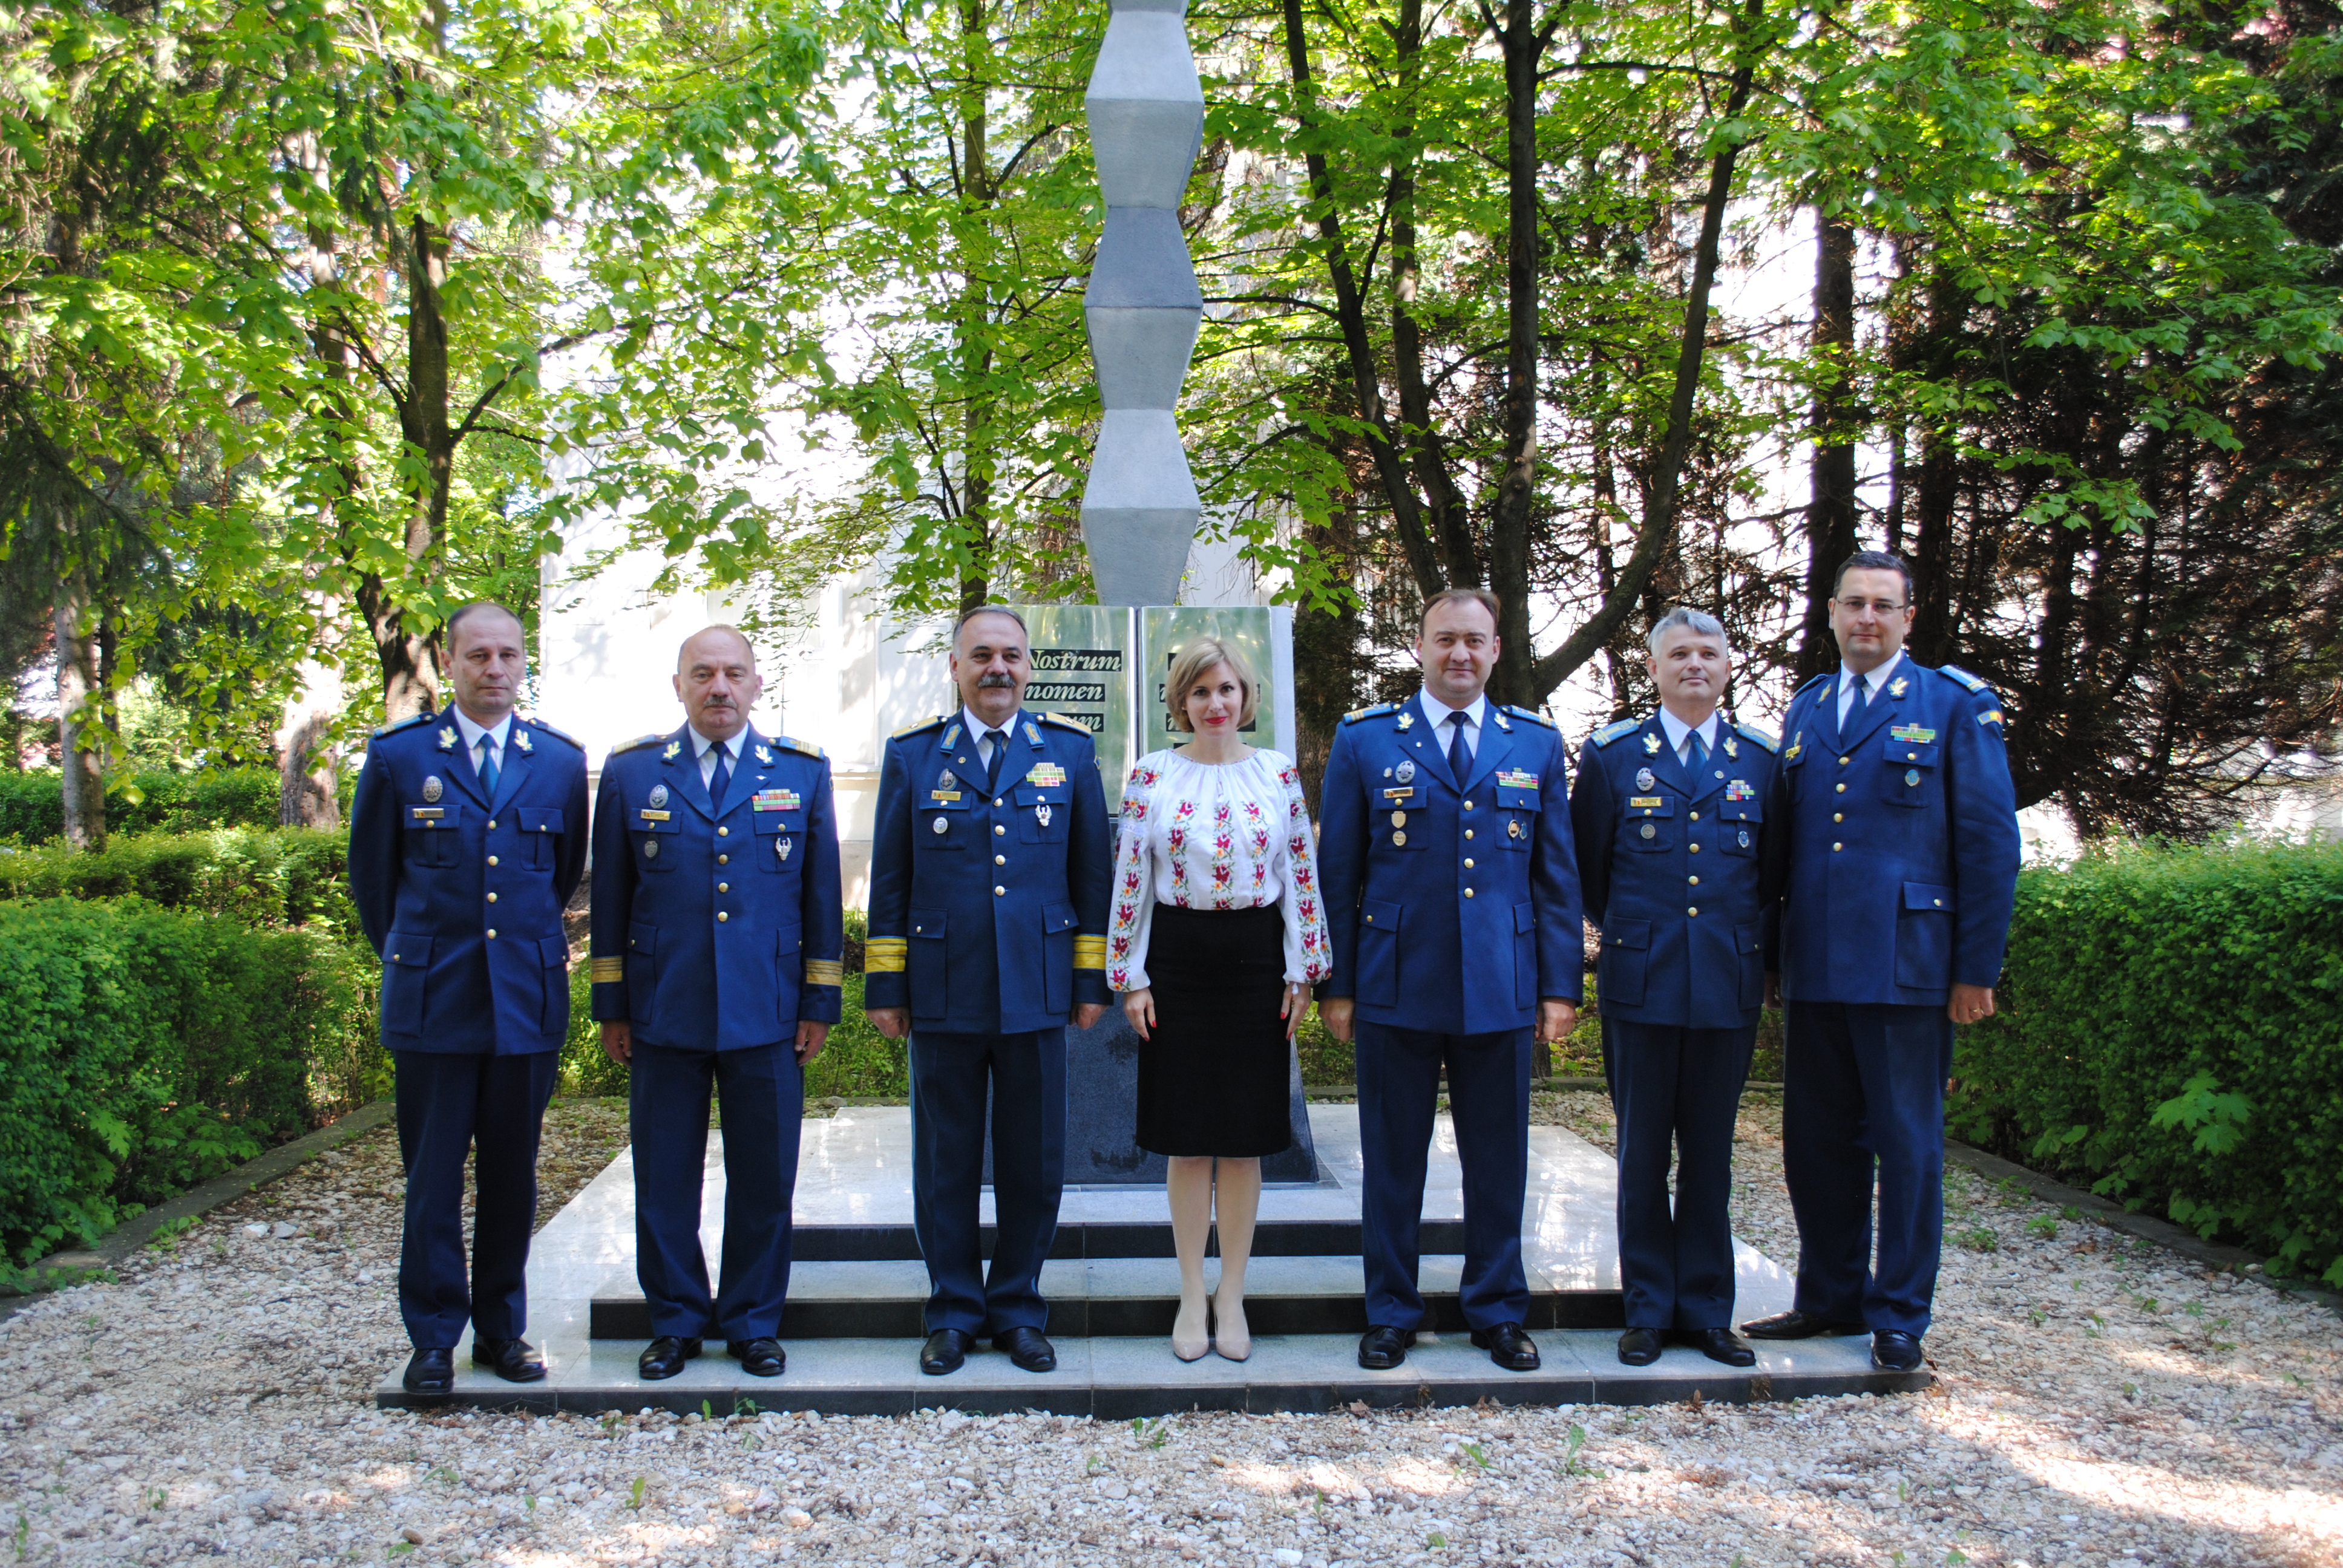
<point x="1911" y="754"/>
<point x="554" y="951"/>
<point x="539" y="819"/>
<point x="1927" y="896"/>
<point x="1059" y="918"/>
<point x="1632" y="935"/>
<point x="665" y="822"/>
<point x="771" y="822"/>
<point x="407" y="950"/>
<point x="1516" y="800"/>
<point x="1377" y="915"/>
<point x="642" y="941"/>
<point x="928" y="925"/>
<point x="1641" y="806"/>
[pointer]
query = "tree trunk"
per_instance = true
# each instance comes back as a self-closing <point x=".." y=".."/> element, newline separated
<point x="1830" y="511"/>
<point x="1513" y="680"/>
<point x="1932" y="554"/>
<point x="976" y="353"/>
<point x="81" y="731"/>
<point x="307" y="770"/>
<point x="1660" y="508"/>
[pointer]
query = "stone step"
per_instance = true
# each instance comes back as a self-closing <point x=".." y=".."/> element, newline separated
<point x="1117" y="1379"/>
<point x="1273" y="1237"/>
<point x="1119" y="1296"/>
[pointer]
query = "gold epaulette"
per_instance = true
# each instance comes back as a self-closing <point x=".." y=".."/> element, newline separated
<point x="1069" y="723"/>
<point x="638" y="741"/>
<point x="915" y="727"/>
<point x="407" y="723"/>
<point x="805" y="747"/>
<point x="1537" y="719"/>
<point x="535" y="723"/>
<point x="1358" y="713"/>
<point x="1765" y="738"/>
<point x="1610" y="732"/>
<point x="1973" y="682"/>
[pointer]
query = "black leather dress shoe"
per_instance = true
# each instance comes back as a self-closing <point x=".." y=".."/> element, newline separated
<point x="944" y="1351"/>
<point x="1719" y="1345"/>
<point x="1894" y="1351"/>
<point x="515" y="1361"/>
<point x="430" y="1372"/>
<point x="1027" y="1348"/>
<point x="759" y="1357"/>
<point x="1381" y="1349"/>
<point x="1639" y="1347"/>
<point x="664" y="1357"/>
<point x="1509" y="1346"/>
<point x="1794" y="1325"/>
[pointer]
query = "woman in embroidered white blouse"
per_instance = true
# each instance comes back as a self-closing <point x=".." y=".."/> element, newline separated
<point x="1216" y="939"/>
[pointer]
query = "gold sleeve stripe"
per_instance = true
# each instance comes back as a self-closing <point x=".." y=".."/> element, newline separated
<point x="610" y="971"/>
<point x="825" y="972"/>
<point x="1090" y="952"/>
<point x="885" y="955"/>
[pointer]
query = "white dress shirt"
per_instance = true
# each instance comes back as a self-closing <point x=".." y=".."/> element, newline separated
<point x="978" y="728"/>
<point x="1678" y="730"/>
<point x="705" y="750"/>
<point x="1875" y="681"/>
<point x="496" y="738"/>
<point x="1438" y="712"/>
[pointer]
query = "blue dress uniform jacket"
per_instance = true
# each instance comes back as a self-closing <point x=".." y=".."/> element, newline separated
<point x="988" y="922"/>
<point x="1453" y="904"/>
<point x="716" y="924"/>
<point x="1675" y="873"/>
<point x="989" y="907"/>
<point x="1903" y="847"/>
<point x="1901" y="853"/>
<point x="461" y="894"/>
<point x="460" y="889"/>
<point x="1672" y="870"/>
<point x="1453" y="909"/>
<point x="717" y="927"/>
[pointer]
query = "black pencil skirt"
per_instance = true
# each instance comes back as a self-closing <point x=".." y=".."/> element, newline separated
<point x="1214" y="1078"/>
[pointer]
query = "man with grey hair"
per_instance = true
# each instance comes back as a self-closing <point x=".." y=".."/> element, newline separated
<point x="1668" y="814"/>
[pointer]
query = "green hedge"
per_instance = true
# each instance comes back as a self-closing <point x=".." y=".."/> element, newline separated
<point x="273" y="877"/>
<point x="2173" y="1035"/>
<point x="32" y="804"/>
<point x="144" y="1050"/>
<point x="858" y="1061"/>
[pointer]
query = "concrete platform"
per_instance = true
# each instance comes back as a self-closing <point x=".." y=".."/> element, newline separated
<point x="848" y="1355"/>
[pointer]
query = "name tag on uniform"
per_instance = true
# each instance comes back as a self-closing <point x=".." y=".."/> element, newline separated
<point x="943" y="794"/>
<point x="775" y="801"/>
<point x="650" y="816"/>
<point x="1913" y="734"/>
<point x="429" y="813"/>
<point x="1399" y="794"/>
<point x="1507" y="779"/>
<point x="1644" y="802"/>
<point x="1046" y="775"/>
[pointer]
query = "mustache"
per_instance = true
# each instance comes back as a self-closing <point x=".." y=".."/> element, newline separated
<point x="993" y="681"/>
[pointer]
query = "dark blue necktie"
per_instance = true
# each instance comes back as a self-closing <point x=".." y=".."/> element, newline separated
<point x="1861" y="700"/>
<point x="1460" y="760"/>
<point x="488" y="773"/>
<point x="720" y="779"/>
<point x="998" y="740"/>
<point x="1695" y="756"/>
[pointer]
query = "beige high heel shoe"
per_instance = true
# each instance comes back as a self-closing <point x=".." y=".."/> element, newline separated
<point x="1232" y="1335"/>
<point x="1191" y="1338"/>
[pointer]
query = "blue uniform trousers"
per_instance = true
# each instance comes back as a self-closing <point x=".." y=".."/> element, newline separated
<point x="762" y="1091"/>
<point x="1489" y="1100"/>
<point x="1677" y="1086"/>
<point x="1027" y="1077"/>
<point x="1864" y="1082"/>
<point x="446" y="1102"/>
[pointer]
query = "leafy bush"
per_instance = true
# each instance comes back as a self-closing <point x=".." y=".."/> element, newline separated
<point x="858" y="1061"/>
<point x="271" y="877"/>
<point x="144" y="1050"/>
<point x="32" y="804"/>
<point x="2173" y="1036"/>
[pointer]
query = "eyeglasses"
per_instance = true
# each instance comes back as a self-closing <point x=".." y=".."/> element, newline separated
<point x="1876" y="606"/>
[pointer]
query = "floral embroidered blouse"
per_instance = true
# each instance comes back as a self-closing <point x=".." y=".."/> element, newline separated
<point x="1208" y="836"/>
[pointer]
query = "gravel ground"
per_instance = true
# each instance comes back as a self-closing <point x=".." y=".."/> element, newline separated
<point x="2100" y="1403"/>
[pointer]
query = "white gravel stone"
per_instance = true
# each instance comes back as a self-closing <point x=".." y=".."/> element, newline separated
<point x="2099" y="1404"/>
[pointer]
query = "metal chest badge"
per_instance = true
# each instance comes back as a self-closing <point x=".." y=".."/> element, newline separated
<point x="781" y="847"/>
<point x="658" y="796"/>
<point x="941" y="825"/>
<point x="1041" y="813"/>
<point x="1645" y="779"/>
<point x="432" y="787"/>
<point x="1405" y="772"/>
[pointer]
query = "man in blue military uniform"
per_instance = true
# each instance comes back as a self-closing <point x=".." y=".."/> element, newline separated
<point x="718" y="941"/>
<point x="991" y="866"/>
<point x="467" y="837"/>
<point x="1896" y="825"/>
<point x="1452" y="901"/>
<point x="1669" y="815"/>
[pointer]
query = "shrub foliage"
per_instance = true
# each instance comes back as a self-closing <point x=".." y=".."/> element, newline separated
<point x="274" y="877"/>
<point x="32" y="804"/>
<point x="2173" y="1037"/>
<point x="144" y="1050"/>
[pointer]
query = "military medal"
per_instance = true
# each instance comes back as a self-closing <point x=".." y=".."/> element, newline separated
<point x="782" y="848"/>
<point x="1399" y="819"/>
<point x="658" y="796"/>
<point x="1745" y="838"/>
<point x="1911" y="776"/>
<point x="776" y="800"/>
<point x="1405" y="771"/>
<point x="1739" y="790"/>
<point x="1400" y="839"/>
<point x="432" y="787"/>
<point x="1913" y="734"/>
<point x="1645" y="779"/>
<point x="1514" y="779"/>
<point x="650" y="848"/>
<point x="1046" y="776"/>
<point x="1041" y="813"/>
<point x="447" y="738"/>
<point x="1513" y="827"/>
<point x="1650" y="831"/>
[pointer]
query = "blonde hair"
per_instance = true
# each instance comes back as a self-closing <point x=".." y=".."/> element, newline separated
<point x="1195" y="660"/>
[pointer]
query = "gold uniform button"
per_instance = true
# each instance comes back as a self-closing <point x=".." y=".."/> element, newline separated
<point x="1939" y="903"/>
<point x="723" y="887"/>
<point x="1468" y="892"/>
<point x="492" y="821"/>
<point x="1836" y="848"/>
<point x="721" y="917"/>
<point x="1000" y="860"/>
<point x="394" y="958"/>
<point x="1468" y="863"/>
<point x="1468" y="805"/>
<point x="723" y="832"/>
<point x="1694" y="910"/>
<point x="492" y="898"/>
<point x="1842" y="788"/>
<point x="1000" y="892"/>
<point x="492" y="933"/>
<point x="998" y="829"/>
<point x="723" y="860"/>
<point x="1838" y="816"/>
<point x="1693" y="847"/>
<point x="1695" y="816"/>
<point x="1693" y="880"/>
<point x="996" y="803"/>
<point x="1468" y="832"/>
<point x="492" y="860"/>
<point x="1841" y="762"/>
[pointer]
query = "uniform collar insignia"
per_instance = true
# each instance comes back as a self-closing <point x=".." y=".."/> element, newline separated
<point x="1732" y="748"/>
<point x="1797" y="742"/>
<point x="1406" y="721"/>
<point x="951" y="734"/>
<point x="674" y="749"/>
<point x="1031" y="733"/>
<point x="1499" y="715"/>
<point x="520" y="739"/>
<point x="447" y="738"/>
<point x="1652" y="744"/>
<point x="764" y="755"/>
<point x="1899" y="685"/>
